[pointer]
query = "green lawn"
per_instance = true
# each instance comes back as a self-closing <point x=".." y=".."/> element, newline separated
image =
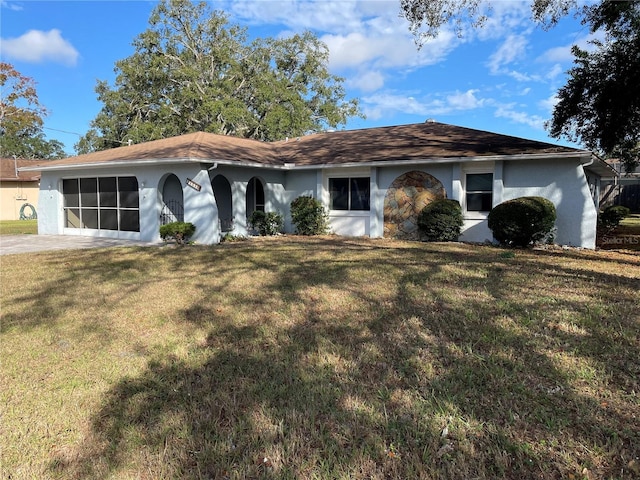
<point x="320" y="358"/>
<point x="631" y="223"/>
<point x="17" y="227"/>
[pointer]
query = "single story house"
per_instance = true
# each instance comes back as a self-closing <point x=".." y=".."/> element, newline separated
<point x="19" y="191"/>
<point x="373" y="182"/>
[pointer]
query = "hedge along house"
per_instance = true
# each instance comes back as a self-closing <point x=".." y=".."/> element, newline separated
<point x="373" y="182"/>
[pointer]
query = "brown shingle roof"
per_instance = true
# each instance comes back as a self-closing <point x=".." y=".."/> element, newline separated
<point x="196" y="146"/>
<point x="8" y="170"/>
<point x="424" y="141"/>
<point x="428" y="140"/>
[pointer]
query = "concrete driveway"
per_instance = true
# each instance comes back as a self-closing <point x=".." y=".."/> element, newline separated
<point x="13" y="244"/>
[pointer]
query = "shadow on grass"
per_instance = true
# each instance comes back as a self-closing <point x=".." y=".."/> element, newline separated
<point x="376" y="362"/>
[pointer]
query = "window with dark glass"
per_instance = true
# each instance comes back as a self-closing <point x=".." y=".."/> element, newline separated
<point x="105" y="203"/>
<point x="349" y="193"/>
<point x="479" y="192"/>
<point x="71" y="194"/>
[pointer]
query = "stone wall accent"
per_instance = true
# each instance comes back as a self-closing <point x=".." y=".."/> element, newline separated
<point x="405" y="199"/>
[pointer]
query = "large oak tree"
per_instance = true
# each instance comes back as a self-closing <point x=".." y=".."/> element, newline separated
<point x="600" y="104"/>
<point x="193" y="70"/>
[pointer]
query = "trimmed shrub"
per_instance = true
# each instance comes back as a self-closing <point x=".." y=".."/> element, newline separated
<point x="266" y="223"/>
<point x="441" y="221"/>
<point x="523" y="221"/>
<point x="309" y="216"/>
<point x="181" y="232"/>
<point x="611" y="216"/>
<point x="229" y="237"/>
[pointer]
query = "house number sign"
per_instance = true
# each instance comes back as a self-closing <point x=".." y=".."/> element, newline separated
<point x="194" y="185"/>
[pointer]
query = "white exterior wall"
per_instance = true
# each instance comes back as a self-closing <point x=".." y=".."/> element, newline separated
<point x="50" y="204"/>
<point x="561" y="181"/>
<point x="274" y="193"/>
<point x="199" y="206"/>
<point x="299" y="183"/>
<point x="565" y="184"/>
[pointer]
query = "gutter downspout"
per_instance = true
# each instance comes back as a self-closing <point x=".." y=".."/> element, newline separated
<point x="590" y="162"/>
<point x="595" y="198"/>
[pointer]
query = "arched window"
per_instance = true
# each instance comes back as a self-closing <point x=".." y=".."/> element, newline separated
<point x="224" y="201"/>
<point x="255" y="196"/>
<point x="172" y="201"/>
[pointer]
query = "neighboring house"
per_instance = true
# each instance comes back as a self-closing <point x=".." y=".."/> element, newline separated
<point x="19" y="190"/>
<point x="622" y="188"/>
<point x="373" y="182"/>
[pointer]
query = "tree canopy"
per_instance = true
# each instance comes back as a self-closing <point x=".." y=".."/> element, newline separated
<point x="427" y="17"/>
<point x="194" y="71"/>
<point x="600" y="104"/>
<point x="21" y="118"/>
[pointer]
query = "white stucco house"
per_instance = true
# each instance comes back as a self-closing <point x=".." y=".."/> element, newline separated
<point x="373" y="182"/>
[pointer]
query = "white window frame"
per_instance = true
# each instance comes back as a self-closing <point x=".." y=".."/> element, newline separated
<point x="477" y="169"/>
<point x="355" y="173"/>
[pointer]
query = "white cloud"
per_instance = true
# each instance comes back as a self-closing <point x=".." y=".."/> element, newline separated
<point x="328" y="16"/>
<point x="502" y="18"/>
<point x="513" y="48"/>
<point x="555" y="71"/>
<point x="367" y="81"/>
<point x="386" y="46"/>
<point x="386" y="103"/>
<point x="377" y="105"/>
<point x="10" y="5"/>
<point x="37" y="46"/>
<point x="464" y="101"/>
<point x="361" y="35"/>
<point x="547" y="104"/>
<point x="350" y="50"/>
<point x="508" y="111"/>
<point x="520" y="76"/>
<point x="563" y="53"/>
<point x="557" y="54"/>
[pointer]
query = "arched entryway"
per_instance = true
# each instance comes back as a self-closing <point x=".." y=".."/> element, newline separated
<point x="222" y="193"/>
<point x="255" y="196"/>
<point x="172" y="200"/>
<point x="405" y="199"/>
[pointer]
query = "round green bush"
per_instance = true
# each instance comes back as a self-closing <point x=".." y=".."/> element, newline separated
<point x="522" y="221"/>
<point x="611" y="216"/>
<point x="309" y="216"/>
<point x="266" y="223"/>
<point x="181" y="232"/>
<point x="441" y="221"/>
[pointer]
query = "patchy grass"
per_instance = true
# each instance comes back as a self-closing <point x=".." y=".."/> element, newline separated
<point x="321" y="358"/>
<point x="630" y="224"/>
<point x="625" y="236"/>
<point x="18" y="227"/>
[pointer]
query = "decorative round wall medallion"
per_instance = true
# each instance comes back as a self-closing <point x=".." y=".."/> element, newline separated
<point x="405" y="199"/>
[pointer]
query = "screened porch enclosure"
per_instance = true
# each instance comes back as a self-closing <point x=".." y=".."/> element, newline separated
<point x="101" y="203"/>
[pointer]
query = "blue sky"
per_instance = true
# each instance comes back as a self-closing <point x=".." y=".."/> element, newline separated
<point x="502" y="78"/>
